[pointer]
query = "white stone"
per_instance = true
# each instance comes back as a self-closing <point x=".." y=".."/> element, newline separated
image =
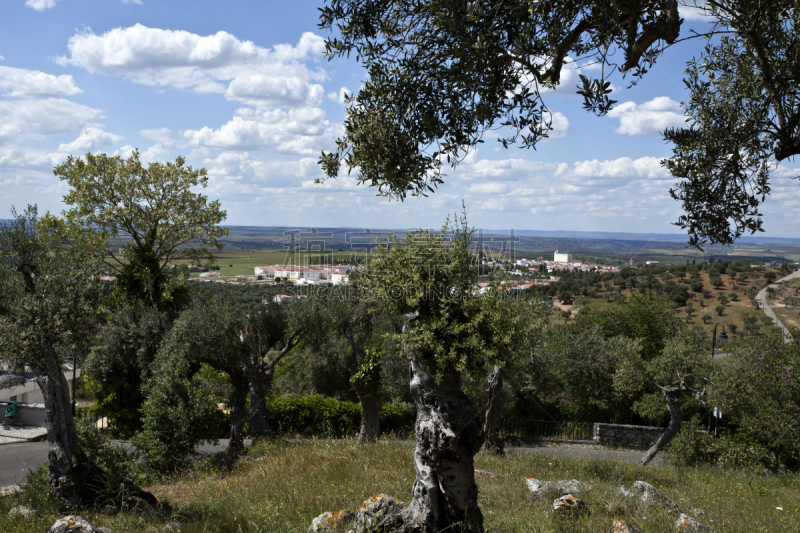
<point x="647" y="494"/>
<point x="331" y="521"/>
<point x="622" y="526"/>
<point x="72" y="524"/>
<point x="374" y="510"/>
<point x="24" y="511"/>
<point x="686" y="524"/>
<point x="568" y="504"/>
<point x="563" y="487"/>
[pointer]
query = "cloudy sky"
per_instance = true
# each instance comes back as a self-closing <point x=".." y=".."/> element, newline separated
<point x="243" y="89"/>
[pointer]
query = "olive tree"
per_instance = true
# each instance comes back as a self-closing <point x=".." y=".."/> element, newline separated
<point x="682" y="367"/>
<point x="451" y="330"/>
<point x="51" y="302"/>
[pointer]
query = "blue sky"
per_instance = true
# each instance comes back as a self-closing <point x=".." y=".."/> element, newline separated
<point x="242" y="89"/>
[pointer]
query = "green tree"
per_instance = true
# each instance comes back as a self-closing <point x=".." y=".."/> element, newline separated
<point x="152" y="211"/>
<point x="51" y="301"/>
<point x="720" y="309"/>
<point x="759" y="386"/>
<point x="151" y="215"/>
<point x="744" y="114"/>
<point x="452" y="331"/>
<point x="681" y="367"/>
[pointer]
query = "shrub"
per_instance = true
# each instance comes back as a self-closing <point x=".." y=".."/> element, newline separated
<point x="720" y="309"/>
<point x="706" y="319"/>
<point x="319" y="416"/>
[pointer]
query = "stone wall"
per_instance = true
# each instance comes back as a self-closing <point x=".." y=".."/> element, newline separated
<point x="623" y="436"/>
<point x="30" y="414"/>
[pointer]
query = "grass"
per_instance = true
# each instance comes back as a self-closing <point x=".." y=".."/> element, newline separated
<point x="281" y="487"/>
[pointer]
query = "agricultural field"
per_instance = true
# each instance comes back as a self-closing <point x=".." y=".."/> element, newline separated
<point x="729" y="303"/>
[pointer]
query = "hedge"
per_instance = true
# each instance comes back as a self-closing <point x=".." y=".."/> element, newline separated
<point x="320" y="416"/>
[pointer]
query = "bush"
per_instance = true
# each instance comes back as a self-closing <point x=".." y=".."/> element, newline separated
<point x="178" y="414"/>
<point x="720" y="309"/>
<point x="693" y="446"/>
<point x="109" y="456"/>
<point x="319" y="416"/>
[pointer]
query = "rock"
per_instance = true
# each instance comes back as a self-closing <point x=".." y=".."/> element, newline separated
<point x="564" y="487"/>
<point x="568" y="505"/>
<point x="647" y="494"/>
<point x="373" y="511"/>
<point x="696" y="513"/>
<point x="621" y="526"/>
<point x="332" y="521"/>
<point x="484" y="473"/>
<point x="686" y="523"/>
<point x="72" y="524"/>
<point x="24" y="511"/>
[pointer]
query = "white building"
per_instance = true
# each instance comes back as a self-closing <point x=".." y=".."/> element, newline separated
<point x="339" y="276"/>
<point x="29" y="392"/>
<point x="562" y="258"/>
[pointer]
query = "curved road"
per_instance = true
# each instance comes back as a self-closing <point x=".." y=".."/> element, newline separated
<point x="761" y="298"/>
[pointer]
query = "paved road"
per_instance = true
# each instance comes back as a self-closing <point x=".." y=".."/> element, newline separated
<point x="761" y="298"/>
<point x="16" y="460"/>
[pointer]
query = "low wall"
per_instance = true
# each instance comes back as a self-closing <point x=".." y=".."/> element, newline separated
<point x="640" y="437"/>
<point x="30" y="414"/>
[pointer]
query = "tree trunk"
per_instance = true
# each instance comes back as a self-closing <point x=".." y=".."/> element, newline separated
<point x="75" y="479"/>
<point x="370" y="417"/>
<point x="675" y="419"/>
<point x="260" y="385"/>
<point x="494" y="443"/>
<point x="448" y="436"/>
<point x="238" y="402"/>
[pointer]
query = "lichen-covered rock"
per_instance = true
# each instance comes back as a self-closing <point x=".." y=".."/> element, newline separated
<point x="24" y="511"/>
<point x="621" y="526"/>
<point x="72" y="524"/>
<point x="374" y="510"/>
<point x="484" y="473"/>
<point x="647" y="494"/>
<point x="686" y="524"/>
<point x="332" y="521"/>
<point x="696" y="513"/>
<point x="568" y="505"/>
<point x="564" y="487"/>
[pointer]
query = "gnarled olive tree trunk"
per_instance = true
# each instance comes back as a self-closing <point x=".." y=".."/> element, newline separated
<point x="260" y="376"/>
<point x="73" y="477"/>
<point x="367" y="388"/>
<point x="448" y="434"/>
<point x="675" y="419"/>
<point x="238" y="405"/>
<point x="494" y="443"/>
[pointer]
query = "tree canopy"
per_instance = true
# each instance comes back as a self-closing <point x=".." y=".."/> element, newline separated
<point x="443" y="73"/>
<point x="151" y="208"/>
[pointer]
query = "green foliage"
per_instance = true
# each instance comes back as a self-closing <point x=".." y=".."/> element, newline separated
<point x="153" y="206"/>
<point x="645" y="317"/>
<point x="432" y="278"/>
<point x="760" y="389"/>
<point x="743" y="114"/>
<point x="442" y="74"/>
<point x="319" y="416"/>
<point x="177" y="415"/>
<point x="109" y="456"/>
<point x="51" y="300"/>
<point x="694" y="446"/>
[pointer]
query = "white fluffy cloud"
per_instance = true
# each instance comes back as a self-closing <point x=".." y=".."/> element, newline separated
<point x="298" y="131"/>
<point x="40" y="5"/>
<point x="39" y="117"/>
<point x="90" y="140"/>
<point x="644" y="167"/>
<point x="649" y="118"/>
<point x="17" y="82"/>
<point x="218" y="63"/>
<point x="560" y="125"/>
<point x="693" y="10"/>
